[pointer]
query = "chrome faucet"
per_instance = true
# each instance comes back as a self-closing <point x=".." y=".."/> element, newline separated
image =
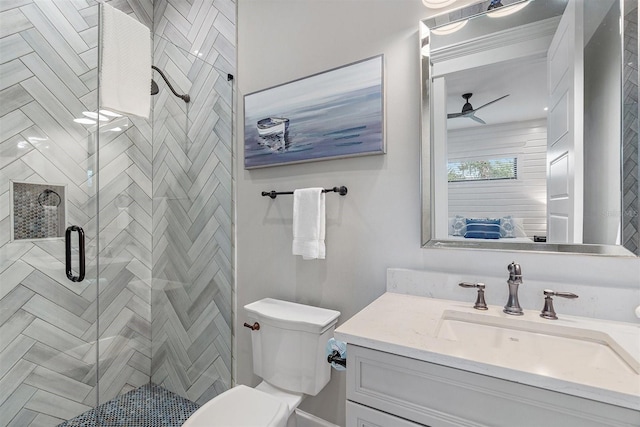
<point x="515" y="280"/>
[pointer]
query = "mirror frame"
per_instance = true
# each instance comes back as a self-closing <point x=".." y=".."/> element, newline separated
<point x="427" y="157"/>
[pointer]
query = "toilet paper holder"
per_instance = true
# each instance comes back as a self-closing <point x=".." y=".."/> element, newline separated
<point x="335" y="358"/>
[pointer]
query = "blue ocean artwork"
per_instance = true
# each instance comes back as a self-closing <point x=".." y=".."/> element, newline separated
<point x="338" y="113"/>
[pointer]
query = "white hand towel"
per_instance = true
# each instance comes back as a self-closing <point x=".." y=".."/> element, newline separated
<point x="125" y="66"/>
<point x="309" y="223"/>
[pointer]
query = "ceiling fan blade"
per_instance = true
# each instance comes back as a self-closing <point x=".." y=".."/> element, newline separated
<point x="489" y="103"/>
<point x="453" y="115"/>
<point x="477" y="119"/>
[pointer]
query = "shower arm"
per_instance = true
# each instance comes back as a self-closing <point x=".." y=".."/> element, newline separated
<point x="185" y="97"/>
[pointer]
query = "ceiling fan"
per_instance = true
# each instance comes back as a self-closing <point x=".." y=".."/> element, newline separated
<point x="469" y="111"/>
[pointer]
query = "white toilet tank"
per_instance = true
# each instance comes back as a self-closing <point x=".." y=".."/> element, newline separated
<point x="289" y="347"/>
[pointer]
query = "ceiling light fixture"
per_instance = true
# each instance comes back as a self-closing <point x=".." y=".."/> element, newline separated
<point x="507" y="10"/>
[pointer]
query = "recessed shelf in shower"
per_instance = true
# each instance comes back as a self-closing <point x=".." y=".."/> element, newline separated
<point x="38" y="210"/>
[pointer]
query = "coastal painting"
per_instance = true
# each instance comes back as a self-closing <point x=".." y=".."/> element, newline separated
<point x="333" y="114"/>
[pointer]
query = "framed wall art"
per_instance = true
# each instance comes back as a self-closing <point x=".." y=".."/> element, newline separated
<point x="334" y="114"/>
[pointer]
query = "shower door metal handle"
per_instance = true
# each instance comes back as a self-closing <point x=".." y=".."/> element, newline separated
<point x="67" y="238"/>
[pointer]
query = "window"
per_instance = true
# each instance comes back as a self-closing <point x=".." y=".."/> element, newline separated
<point x="483" y="170"/>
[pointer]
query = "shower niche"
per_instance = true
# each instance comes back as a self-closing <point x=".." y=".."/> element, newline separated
<point x="38" y="211"/>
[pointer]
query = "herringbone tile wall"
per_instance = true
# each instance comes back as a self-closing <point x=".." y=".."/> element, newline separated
<point x="164" y="204"/>
<point x="192" y="277"/>
<point x="631" y="169"/>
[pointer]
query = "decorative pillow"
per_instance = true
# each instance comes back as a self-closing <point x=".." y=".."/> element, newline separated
<point x="492" y="221"/>
<point x="482" y="228"/>
<point x="507" y="226"/>
<point x="459" y="226"/>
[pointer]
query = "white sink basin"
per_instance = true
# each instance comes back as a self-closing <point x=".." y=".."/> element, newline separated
<point x="550" y="347"/>
<point x="587" y="357"/>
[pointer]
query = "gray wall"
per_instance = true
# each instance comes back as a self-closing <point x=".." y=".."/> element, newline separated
<point x="377" y="225"/>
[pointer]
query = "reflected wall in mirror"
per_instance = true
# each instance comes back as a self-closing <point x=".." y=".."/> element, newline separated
<point x="529" y="128"/>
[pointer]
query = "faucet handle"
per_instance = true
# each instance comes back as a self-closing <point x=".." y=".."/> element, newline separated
<point x="480" y="302"/>
<point x="550" y="293"/>
<point x="548" y="311"/>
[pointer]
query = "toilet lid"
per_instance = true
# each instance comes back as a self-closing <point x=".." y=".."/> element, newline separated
<point x="241" y="406"/>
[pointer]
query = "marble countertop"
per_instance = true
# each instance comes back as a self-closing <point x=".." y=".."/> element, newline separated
<point x="424" y="328"/>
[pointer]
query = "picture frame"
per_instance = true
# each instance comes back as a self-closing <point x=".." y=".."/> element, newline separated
<point x="334" y="114"/>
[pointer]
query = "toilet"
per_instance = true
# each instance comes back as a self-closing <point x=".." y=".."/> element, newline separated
<point x="288" y="345"/>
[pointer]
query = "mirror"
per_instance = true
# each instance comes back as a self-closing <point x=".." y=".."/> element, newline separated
<point x="529" y="120"/>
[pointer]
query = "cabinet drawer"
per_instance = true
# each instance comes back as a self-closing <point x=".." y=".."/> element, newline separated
<point x="440" y="396"/>
<point x="361" y="416"/>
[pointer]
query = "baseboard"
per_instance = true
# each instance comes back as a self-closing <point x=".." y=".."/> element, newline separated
<point x="304" y="419"/>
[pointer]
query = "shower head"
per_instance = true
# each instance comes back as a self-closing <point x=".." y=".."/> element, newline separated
<point x="155" y="89"/>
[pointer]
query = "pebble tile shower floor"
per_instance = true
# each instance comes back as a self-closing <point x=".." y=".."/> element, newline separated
<point x="146" y="406"/>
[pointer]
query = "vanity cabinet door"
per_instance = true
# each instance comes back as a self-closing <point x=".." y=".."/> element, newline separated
<point x="439" y="396"/>
<point x="362" y="416"/>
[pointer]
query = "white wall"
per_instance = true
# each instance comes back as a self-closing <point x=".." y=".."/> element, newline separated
<point x="525" y="197"/>
<point x="602" y="206"/>
<point x="377" y="225"/>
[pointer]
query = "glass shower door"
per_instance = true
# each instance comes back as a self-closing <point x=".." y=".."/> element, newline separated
<point x="48" y="166"/>
<point x="124" y="286"/>
<point x="152" y="198"/>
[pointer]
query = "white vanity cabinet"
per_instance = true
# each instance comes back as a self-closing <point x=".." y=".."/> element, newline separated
<point x="388" y="390"/>
<point x="418" y="361"/>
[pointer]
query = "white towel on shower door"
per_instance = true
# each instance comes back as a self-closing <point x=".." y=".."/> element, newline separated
<point x="309" y="223"/>
<point x="125" y="63"/>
